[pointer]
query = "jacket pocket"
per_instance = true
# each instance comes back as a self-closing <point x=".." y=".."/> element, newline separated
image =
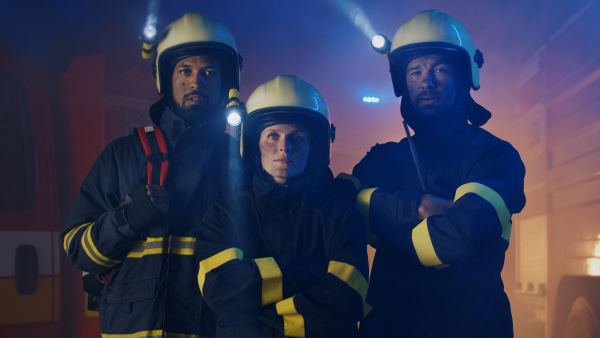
<point x="132" y="290"/>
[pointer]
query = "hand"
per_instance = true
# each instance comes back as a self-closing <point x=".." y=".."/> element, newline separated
<point x="159" y="196"/>
<point x="433" y="205"/>
<point x="148" y="204"/>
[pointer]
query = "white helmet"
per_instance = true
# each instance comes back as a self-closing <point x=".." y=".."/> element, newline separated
<point x="196" y="34"/>
<point x="426" y="32"/>
<point x="288" y="99"/>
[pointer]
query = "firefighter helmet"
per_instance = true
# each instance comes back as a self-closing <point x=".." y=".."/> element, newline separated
<point x="288" y="99"/>
<point x="196" y="34"/>
<point x="425" y="33"/>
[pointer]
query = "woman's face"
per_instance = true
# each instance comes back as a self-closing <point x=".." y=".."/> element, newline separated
<point x="284" y="151"/>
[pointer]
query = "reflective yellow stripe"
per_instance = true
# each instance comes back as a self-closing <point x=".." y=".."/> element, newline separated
<point x="215" y="261"/>
<point x="424" y="246"/>
<point x="293" y="322"/>
<point x="494" y="199"/>
<point x="151" y="334"/>
<point x="184" y="239"/>
<point x="69" y="236"/>
<point x="351" y="276"/>
<point x="363" y="203"/>
<point x="92" y="251"/>
<point x="272" y="288"/>
<point x="158" y="245"/>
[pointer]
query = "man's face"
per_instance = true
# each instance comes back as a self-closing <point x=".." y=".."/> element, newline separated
<point x="284" y="151"/>
<point x="196" y="86"/>
<point x="432" y="84"/>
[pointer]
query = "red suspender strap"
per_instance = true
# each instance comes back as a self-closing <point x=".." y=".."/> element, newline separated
<point x="162" y="145"/>
<point x="156" y="159"/>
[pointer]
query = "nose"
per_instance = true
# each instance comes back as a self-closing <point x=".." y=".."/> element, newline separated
<point x="285" y="145"/>
<point x="196" y="81"/>
<point x="428" y="80"/>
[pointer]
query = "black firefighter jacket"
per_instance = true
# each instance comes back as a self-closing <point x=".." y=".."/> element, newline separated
<point x="284" y="261"/>
<point x="440" y="277"/>
<point x="152" y="289"/>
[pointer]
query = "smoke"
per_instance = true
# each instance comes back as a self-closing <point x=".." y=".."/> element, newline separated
<point x="356" y="15"/>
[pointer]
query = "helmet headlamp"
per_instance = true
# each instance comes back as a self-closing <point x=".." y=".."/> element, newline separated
<point x="381" y="44"/>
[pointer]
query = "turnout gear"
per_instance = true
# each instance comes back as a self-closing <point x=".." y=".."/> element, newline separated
<point x="440" y="276"/>
<point x="284" y="260"/>
<point x="150" y="291"/>
<point x="281" y="261"/>
<point x="288" y="99"/>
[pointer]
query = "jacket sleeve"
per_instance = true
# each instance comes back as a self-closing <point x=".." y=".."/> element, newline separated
<point x="333" y="305"/>
<point x="92" y="236"/>
<point x="237" y="287"/>
<point x="480" y="217"/>
<point x="287" y="292"/>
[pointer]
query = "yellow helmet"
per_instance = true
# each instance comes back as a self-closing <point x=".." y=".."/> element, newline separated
<point x="288" y="99"/>
<point x="425" y="33"/>
<point x="196" y="34"/>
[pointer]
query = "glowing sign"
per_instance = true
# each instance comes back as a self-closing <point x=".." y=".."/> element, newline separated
<point x="370" y="99"/>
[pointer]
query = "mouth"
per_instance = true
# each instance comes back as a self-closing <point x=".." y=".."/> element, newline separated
<point x="284" y="160"/>
<point x="195" y="98"/>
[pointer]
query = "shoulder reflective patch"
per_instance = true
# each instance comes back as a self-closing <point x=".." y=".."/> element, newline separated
<point x="363" y="204"/>
<point x="92" y="251"/>
<point x="293" y="322"/>
<point x="69" y="236"/>
<point x="424" y="246"/>
<point x="351" y="276"/>
<point x="215" y="261"/>
<point x="494" y="199"/>
<point x="272" y="287"/>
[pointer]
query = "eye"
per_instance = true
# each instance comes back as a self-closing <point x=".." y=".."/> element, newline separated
<point x="298" y="139"/>
<point x="441" y="69"/>
<point x="210" y="73"/>
<point x="415" y="73"/>
<point x="272" y="136"/>
<point x="185" y="71"/>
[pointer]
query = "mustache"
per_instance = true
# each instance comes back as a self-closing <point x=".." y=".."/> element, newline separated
<point x="430" y="93"/>
<point x="195" y="92"/>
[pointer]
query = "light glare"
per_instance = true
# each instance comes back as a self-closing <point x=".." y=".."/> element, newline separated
<point x="378" y="41"/>
<point x="371" y="99"/>
<point x="234" y="119"/>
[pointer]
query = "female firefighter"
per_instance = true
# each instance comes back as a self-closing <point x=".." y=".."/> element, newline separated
<point x="282" y="257"/>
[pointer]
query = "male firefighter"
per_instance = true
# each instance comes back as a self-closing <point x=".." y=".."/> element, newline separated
<point x="441" y="239"/>
<point x="132" y="222"/>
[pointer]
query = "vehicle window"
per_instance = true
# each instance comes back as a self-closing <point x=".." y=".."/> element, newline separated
<point x="17" y="164"/>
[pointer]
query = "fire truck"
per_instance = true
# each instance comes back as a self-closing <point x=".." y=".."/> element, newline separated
<point x="552" y="272"/>
<point x="54" y="123"/>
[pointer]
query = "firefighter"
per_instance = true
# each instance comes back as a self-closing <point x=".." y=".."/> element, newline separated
<point x="440" y="241"/>
<point x="139" y="232"/>
<point x="282" y="257"/>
